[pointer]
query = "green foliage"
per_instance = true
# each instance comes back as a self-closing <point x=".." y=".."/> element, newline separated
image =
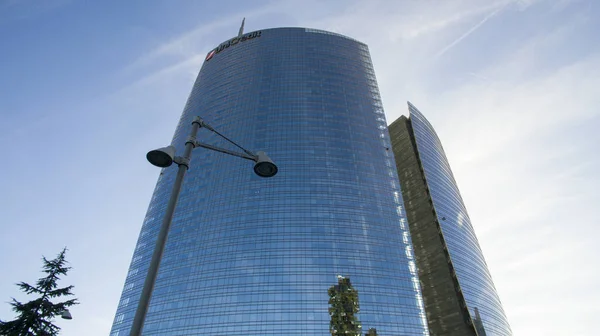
<point x="35" y="317"/>
<point x="343" y="305"/>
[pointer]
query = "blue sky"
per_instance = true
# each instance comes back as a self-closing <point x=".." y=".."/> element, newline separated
<point x="512" y="87"/>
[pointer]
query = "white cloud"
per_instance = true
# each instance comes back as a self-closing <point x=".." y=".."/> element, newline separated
<point x="199" y="39"/>
<point x="467" y="33"/>
<point x="529" y="185"/>
<point x="183" y="46"/>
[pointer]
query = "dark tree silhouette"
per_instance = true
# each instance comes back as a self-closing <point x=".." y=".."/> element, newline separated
<point x="34" y="318"/>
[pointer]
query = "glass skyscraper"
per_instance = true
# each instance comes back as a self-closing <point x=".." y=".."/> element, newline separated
<point x="252" y="256"/>
<point x="459" y="295"/>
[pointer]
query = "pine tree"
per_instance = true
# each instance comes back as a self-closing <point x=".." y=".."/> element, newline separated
<point x="35" y="317"/>
<point x="343" y="305"/>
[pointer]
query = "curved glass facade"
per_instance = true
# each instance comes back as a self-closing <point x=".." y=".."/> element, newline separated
<point x="254" y="256"/>
<point x="459" y="237"/>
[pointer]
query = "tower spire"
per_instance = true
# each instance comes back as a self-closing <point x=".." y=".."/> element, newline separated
<point x="241" y="32"/>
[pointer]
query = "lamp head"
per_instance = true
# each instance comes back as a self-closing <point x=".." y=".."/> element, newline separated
<point x="264" y="166"/>
<point x="162" y="157"/>
<point x="66" y="314"/>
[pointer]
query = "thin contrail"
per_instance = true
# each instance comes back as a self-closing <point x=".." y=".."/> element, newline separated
<point x="468" y="32"/>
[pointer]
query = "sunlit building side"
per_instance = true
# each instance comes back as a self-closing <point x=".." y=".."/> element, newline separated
<point x="252" y="256"/>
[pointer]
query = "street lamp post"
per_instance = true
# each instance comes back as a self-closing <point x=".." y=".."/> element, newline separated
<point x="164" y="157"/>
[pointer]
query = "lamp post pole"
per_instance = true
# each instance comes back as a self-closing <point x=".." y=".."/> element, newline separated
<point x="164" y="157"/>
<point x="142" y="308"/>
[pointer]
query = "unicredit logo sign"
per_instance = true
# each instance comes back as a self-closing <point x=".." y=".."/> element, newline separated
<point x="231" y="43"/>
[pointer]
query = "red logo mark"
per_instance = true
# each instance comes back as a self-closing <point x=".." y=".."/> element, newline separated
<point x="211" y="54"/>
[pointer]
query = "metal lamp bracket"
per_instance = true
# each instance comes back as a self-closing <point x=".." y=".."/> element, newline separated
<point x="180" y="160"/>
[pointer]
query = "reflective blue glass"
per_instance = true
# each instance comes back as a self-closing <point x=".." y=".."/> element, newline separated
<point x="255" y="256"/>
<point x="471" y="270"/>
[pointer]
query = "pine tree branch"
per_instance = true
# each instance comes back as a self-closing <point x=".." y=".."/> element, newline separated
<point x="29" y="289"/>
<point x="65" y="291"/>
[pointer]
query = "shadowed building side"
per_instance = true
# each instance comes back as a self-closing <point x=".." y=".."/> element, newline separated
<point x="444" y="304"/>
<point x="459" y="295"/>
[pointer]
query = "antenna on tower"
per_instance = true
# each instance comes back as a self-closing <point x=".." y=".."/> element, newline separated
<point x="241" y="32"/>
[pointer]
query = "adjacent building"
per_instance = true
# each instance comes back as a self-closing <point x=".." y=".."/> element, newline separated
<point x="459" y="295"/>
<point x="250" y="256"/>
